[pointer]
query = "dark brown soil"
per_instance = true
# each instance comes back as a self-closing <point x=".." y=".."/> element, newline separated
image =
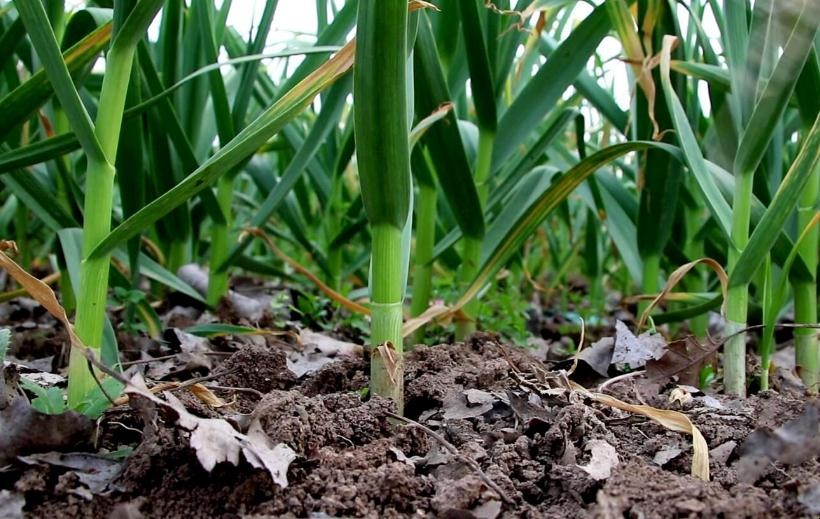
<point x="355" y="461"/>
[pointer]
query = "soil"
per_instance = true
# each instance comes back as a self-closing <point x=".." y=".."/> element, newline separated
<point x="519" y="454"/>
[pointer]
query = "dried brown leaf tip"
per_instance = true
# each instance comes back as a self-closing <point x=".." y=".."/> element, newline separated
<point x="391" y="359"/>
<point x="8" y="245"/>
<point x="415" y="5"/>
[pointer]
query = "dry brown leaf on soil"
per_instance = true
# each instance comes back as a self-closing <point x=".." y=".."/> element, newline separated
<point x="684" y="358"/>
<point x="470" y="403"/>
<point x="672" y="420"/>
<point x="317" y="350"/>
<point x="41" y="292"/>
<point x="215" y="440"/>
<point x="598" y="355"/>
<point x="206" y="396"/>
<point x="200" y="391"/>
<point x="93" y="471"/>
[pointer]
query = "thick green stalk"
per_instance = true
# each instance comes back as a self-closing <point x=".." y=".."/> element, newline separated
<point x="470" y="251"/>
<point x="21" y="232"/>
<point x="693" y="216"/>
<point x="178" y="254"/>
<point x="386" y="370"/>
<point x="805" y="292"/>
<point x="650" y="276"/>
<point x="218" y="279"/>
<point x="425" y="242"/>
<point x="770" y="309"/>
<point x="471" y="248"/>
<point x="805" y="339"/>
<point x="99" y="194"/>
<point x="734" y="352"/>
<point x="383" y="156"/>
<point x="93" y="277"/>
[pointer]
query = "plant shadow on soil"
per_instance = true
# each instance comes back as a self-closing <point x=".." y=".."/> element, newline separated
<point x="353" y="460"/>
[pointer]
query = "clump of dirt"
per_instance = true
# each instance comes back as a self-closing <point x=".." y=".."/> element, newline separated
<point x="518" y="454"/>
<point x="347" y="374"/>
<point x="256" y="367"/>
<point x="637" y="489"/>
<point x="307" y="424"/>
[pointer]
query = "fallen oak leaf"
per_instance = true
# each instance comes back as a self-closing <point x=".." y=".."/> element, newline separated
<point x="684" y="358"/>
<point x="215" y="441"/>
<point x="256" y="449"/>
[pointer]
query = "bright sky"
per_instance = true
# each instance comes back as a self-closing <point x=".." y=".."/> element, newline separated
<point x="295" y="24"/>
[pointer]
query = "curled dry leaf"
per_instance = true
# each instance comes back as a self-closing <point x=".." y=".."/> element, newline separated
<point x="678" y="274"/>
<point x="599" y="355"/>
<point x="200" y="391"/>
<point x="215" y="440"/>
<point x="206" y="396"/>
<point x="672" y="420"/>
<point x="680" y="396"/>
<point x="41" y="292"/>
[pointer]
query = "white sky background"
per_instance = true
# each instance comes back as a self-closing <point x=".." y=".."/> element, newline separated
<point x="296" y="20"/>
<point x="294" y="24"/>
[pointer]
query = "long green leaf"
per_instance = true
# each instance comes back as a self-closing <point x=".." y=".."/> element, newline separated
<point x="542" y="91"/>
<point x="443" y="140"/>
<point x="238" y="149"/>
<point x="774" y="97"/>
<point x="689" y="144"/>
<point x="765" y="234"/>
<point x="56" y="68"/>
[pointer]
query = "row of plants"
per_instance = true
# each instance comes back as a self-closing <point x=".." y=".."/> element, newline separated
<point x="451" y="149"/>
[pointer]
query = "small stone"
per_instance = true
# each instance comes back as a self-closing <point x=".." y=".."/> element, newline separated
<point x="721" y="453"/>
